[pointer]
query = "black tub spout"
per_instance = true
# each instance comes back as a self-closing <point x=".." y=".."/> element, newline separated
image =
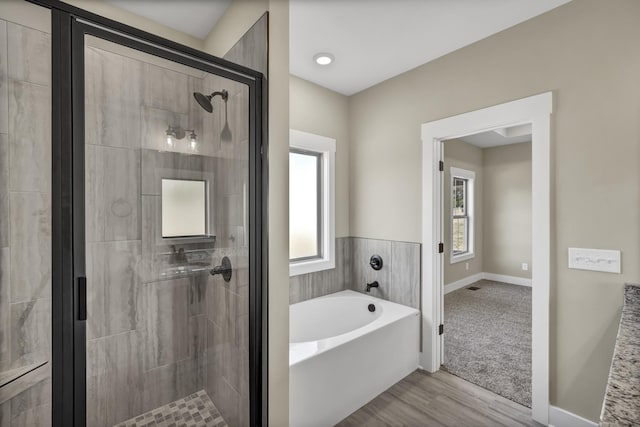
<point x="373" y="284"/>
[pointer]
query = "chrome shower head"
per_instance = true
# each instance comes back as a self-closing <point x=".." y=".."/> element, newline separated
<point x="205" y="100"/>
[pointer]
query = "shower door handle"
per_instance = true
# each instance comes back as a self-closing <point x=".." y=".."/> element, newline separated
<point x="82" y="298"/>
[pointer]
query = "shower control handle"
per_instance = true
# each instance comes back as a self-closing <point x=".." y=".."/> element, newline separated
<point x="376" y="262"/>
<point x="225" y="269"/>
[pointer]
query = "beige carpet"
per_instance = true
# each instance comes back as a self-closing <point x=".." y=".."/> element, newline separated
<point x="487" y="338"/>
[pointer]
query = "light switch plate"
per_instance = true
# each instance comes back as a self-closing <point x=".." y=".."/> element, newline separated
<point x="595" y="260"/>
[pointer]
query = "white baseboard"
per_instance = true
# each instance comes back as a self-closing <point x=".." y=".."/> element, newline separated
<point x="513" y="280"/>
<point x="488" y="276"/>
<point x="463" y="282"/>
<point x="558" y="417"/>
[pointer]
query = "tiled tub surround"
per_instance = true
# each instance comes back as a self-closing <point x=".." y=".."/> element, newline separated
<point x="25" y="222"/>
<point x="399" y="278"/>
<point x="622" y="399"/>
<point x="325" y="282"/>
<point x="154" y="336"/>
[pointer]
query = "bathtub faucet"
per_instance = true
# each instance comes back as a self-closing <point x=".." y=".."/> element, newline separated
<point x="373" y="284"/>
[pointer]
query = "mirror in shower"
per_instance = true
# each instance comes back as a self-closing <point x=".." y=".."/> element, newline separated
<point x="184" y="208"/>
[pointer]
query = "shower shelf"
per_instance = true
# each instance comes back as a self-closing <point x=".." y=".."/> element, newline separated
<point x="184" y="271"/>
<point x="187" y="251"/>
<point x="14" y="382"/>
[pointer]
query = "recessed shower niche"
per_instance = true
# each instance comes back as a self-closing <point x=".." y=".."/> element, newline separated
<point x="166" y="184"/>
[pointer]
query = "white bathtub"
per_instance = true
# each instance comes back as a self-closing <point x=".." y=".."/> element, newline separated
<point x="341" y="355"/>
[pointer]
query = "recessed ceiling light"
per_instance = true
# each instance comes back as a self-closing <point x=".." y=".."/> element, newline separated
<point x="323" y="58"/>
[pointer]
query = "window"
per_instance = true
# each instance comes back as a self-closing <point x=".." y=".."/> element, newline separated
<point x="462" y="183"/>
<point x="305" y="204"/>
<point x="311" y="203"/>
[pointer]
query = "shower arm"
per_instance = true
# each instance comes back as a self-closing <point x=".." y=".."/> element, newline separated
<point x="223" y="94"/>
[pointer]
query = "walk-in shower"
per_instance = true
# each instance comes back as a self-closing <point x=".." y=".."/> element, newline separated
<point x="130" y="251"/>
<point x="160" y="218"/>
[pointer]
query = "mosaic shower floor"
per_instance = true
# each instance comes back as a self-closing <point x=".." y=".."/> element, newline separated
<point x="196" y="410"/>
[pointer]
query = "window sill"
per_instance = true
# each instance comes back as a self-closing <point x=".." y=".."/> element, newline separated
<point x="463" y="257"/>
<point x="305" y="267"/>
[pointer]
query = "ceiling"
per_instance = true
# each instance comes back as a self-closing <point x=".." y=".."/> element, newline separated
<point x="374" y="40"/>
<point x="193" y="17"/>
<point x="498" y="137"/>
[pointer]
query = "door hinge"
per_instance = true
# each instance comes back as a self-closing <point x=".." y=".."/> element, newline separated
<point x="440" y="248"/>
<point x="82" y="298"/>
<point x="441" y="166"/>
<point x="440" y="329"/>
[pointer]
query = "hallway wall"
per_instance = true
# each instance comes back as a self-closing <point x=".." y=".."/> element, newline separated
<point x="507" y="210"/>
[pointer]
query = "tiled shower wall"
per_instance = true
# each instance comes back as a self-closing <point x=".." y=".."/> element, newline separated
<point x="155" y="337"/>
<point x="25" y="217"/>
<point x="325" y="282"/>
<point x="227" y="317"/>
<point x="227" y="368"/>
<point x="145" y="337"/>
<point x="399" y="278"/>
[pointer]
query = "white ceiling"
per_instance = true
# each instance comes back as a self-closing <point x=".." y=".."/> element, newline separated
<point x="374" y="40"/>
<point x="193" y="17"/>
<point x="498" y="137"/>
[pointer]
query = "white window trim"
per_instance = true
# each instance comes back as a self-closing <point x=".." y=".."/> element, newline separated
<point x="327" y="148"/>
<point x="470" y="176"/>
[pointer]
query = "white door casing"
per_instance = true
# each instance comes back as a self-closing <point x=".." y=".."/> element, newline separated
<point x="537" y="111"/>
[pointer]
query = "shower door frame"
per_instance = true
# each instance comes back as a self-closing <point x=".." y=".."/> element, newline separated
<point x="69" y="27"/>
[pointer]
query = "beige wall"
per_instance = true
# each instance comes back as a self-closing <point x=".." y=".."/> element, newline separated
<point x="459" y="154"/>
<point x="278" y="213"/>
<point x="321" y="111"/>
<point x="237" y="19"/>
<point x="507" y="209"/>
<point x="586" y="52"/>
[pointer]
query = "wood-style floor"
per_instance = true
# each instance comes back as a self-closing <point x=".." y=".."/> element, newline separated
<point x="440" y="399"/>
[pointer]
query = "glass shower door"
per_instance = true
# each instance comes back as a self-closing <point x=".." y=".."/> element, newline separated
<point x="166" y="190"/>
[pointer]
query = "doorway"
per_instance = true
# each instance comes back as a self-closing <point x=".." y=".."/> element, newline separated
<point x="536" y="111"/>
<point x="487" y="261"/>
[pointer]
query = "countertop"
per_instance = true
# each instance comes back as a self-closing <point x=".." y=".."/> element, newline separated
<point x="622" y="399"/>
